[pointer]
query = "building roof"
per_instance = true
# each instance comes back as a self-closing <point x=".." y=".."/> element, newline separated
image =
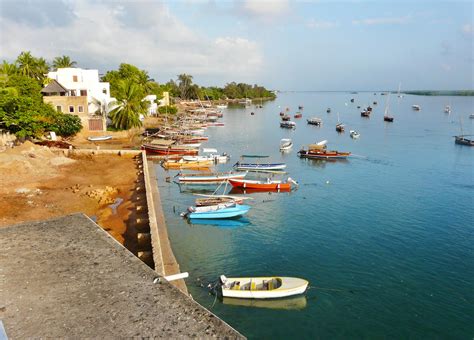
<point x="68" y="278"/>
<point x="54" y="87"/>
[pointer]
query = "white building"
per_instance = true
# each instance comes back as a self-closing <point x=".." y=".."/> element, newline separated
<point x="153" y="106"/>
<point x="82" y="82"/>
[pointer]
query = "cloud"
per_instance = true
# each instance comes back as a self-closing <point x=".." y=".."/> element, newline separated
<point x="320" y="24"/>
<point x="147" y="34"/>
<point x="267" y="10"/>
<point x="382" y="21"/>
<point x="468" y="29"/>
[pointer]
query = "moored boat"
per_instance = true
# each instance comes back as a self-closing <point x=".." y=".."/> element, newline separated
<point x="260" y="166"/>
<point x="298" y="115"/>
<point x="288" y="124"/>
<point x="314" y="121"/>
<point x="285" y="144"/>
<point x="182" y="164"/>
<point x="225" y="210"/>
<point x="340" y="127"/>
<point x="416" y="107"/>
<point x="285" y="117"/>
<point x="262" y="287"/>
<point x="263" y="185"/>
<point x="169" y="150"/>
<point x="99" y="138"/>
<point x="206" y="178"/>
<point x="354" y="134"/>
<point x="462" y="140"/>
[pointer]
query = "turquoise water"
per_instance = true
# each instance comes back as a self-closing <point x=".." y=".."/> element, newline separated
<point x="385" y="238"/>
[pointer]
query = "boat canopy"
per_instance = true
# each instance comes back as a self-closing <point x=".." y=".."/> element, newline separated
<point x="209" y="150"/>
<point x="254" y="156"/>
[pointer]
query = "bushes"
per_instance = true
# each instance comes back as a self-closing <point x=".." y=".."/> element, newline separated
<point x="67" y="125"/>
<point x="170" y="109"/>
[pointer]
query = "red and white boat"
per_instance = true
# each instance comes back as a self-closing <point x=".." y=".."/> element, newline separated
<point x="262" y="185"/>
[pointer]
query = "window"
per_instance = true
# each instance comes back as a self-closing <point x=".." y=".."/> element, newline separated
<point x="59" y="108"/>
<point x="71" y="109"/>
<point x="74" y="79"/>
<point x="80" y="108"/>
<point x="83" y="93"/>
<point x="104" y="91"/>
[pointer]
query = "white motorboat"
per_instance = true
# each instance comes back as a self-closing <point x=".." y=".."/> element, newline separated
<point x="211" y="178"/>
<point x="262" y="287"/>
<point x="99" y="138"/>
<point x="354" y="134"/>
<point x="212" y="155"/>
<point x="314" y="121"/>
<point x="416" y="107"/>
<point x="288" y="124"/>
<point x="285" y="144"/>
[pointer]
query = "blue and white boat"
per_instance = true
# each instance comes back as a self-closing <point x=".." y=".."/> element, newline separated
<point x="259" y="166"/>
<point x="226" y="210"/>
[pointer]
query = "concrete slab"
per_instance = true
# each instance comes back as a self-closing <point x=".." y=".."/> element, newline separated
<point x="66" y="277"/>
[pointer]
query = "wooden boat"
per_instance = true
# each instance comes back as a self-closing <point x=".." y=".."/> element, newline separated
<point x="314" y="121"/>
<point x="99" y="138"/>
<point x="215" y="124"/>
<point x="285" y="117"/>
<point x="328" y="110"/>
<point x="206" y="201"/>
<point x="300" y="107"/>
<point x="388" y="119"/>
<point x="204" y="178"/>
<point x="282" y="114"/>
<point x="288" y="124"/>
<point x="181" y="164"/>
<point x="365" y="113"/>
<point x="416" y="107"/>
<point x="340" y="127"/>
<point x="212" y="155"/>
<point x="298" y="115"/>
<point x="462" y="140"/>
<point x="169" y="150"/>
<point x="323" y="154"/>
<point x="471" y="116"/>
<point x="447" y="109"/>
<point x="285" y="144"/>
<point x="262" y="287"/>
<point x="262" y="185"/>
<point x="352" y="100"/>
<point x="354" y="134"/>
<point x="225" y="210"/>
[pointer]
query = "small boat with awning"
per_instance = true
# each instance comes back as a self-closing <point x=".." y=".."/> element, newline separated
<point x="314" y="121"/>
<point x="209" y="178"/>
<point x="462" y="140"/>
<point x="288" y="124"/>
<point x="258" y="166"/>
<point x="323" y="154"/>
<point x="269" y="287"/>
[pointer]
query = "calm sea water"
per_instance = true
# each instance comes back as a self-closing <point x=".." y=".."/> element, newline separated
<point x="385" y="238"/>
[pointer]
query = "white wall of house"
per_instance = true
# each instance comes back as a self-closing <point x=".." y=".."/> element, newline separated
<point x="153" y="107"/>
<point x="83" y="82"/>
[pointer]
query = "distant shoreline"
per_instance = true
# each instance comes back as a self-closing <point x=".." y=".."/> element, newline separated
<point x="415" y="93"/>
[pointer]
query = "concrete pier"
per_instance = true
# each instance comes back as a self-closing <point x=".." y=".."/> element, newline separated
<point x="68" y="278"/>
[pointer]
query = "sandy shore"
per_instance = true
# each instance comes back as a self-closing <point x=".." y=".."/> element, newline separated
<point x="37" y="183"/>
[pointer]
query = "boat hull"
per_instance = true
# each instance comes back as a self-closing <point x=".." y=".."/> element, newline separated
<point x="323" y="154"/>
<point x="260" y="167"/>
<point x="256" y="185"/>
<point x="210" y="179"/>
<point x="153" y="150"/>
<point x="230" y="212"/>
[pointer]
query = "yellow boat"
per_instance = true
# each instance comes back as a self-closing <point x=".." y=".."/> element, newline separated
<point x="182" y="164"/>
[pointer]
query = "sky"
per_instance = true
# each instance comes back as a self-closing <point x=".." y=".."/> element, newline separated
<point x="280" y="44"/>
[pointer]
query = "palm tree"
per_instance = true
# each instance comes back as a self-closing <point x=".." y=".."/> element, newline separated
<point x="185" y="82"/>
<point x="129" y="105"/>
<point x="41" y="69"/>
<point x="63" y="62"/>
<point x="26" y="64"/>
<point x="102" y="107"/>
<point x="8" y="69"/>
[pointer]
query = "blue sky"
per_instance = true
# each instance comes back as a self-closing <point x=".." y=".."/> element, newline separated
<point x="285" y="45"/>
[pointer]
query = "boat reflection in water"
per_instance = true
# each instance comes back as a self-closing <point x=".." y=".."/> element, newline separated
<point x="222" y="223"/>
<point x="294" y="303"/>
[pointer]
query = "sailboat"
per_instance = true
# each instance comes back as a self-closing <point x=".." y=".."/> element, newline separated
<point x="461" y="139"/>
<point x="399" y="95"/>
<point x="339" y="125"/>
<point x="386" y="117"/>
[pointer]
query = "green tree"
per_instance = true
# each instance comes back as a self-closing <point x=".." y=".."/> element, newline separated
<point x="129" y="105"/>
<point x="67" y="125"/>
<point x="185" y="82"/>
<point x="63" y="62"/>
